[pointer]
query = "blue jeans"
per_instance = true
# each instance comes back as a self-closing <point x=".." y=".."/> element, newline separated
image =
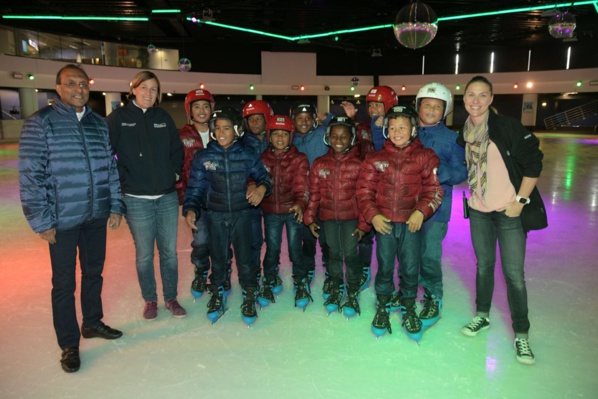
<point x="274" y="223"/>
<point x="342" y="244"/>
<point x="226" y="228"/>
<point x="365" y="248"/>
<point x="200" y="254"/>
<point x="430" y="274"/>
<point x="90" y="239"/>
<point x="403" y="245"/>
<point x="257" y="238"/>
<point x="155" y="221"/>
<point x="486" y="229"/>
<point x="309" y="247"/>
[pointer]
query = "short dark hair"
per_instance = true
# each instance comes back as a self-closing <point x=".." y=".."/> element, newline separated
<point x="70" y="66"/>
<point x="480" y="79"/>
<point x="139" y="79"/>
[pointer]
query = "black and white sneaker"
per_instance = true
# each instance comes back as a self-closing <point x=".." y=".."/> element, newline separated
<point x="476" y="325"/>
<point x="524" y="352"/>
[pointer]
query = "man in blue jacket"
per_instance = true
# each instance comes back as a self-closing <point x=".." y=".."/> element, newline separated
<point x="70" y="192"/>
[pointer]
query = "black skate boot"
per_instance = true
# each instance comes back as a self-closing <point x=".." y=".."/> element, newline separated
<point x="365" y="278"/>
<point x="227" y="284"/>
<point x="412" y="323"/>
<point x="395" y="301"/>
<point x="302" y="292"/>
<point x="199" y="284"/>
<point x="327" y="287"/>
<point x="351" y="305"/>
<point x="266" y="295"/>
<point x="248" y="311"/>
<point x="381" y="322"/>
<point x="217" y="304"/>
<point x="430" y="314"/>
<point x="333" y="303"/>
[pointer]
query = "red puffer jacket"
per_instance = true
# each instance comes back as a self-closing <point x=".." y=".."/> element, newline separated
<point x="191" y="143"/>
<point x="332" y="185"/>
<point x="290" y="177"/>
<point x="397" y="181"/>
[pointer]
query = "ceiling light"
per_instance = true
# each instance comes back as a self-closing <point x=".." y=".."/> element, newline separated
<point x="562" y="25"/>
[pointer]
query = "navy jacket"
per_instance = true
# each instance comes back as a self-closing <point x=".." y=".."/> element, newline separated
<point x="148" y="149"/>
<point x="452" y="169"/>
<point x="67" y="173"/>
<point x="218" y="180"/>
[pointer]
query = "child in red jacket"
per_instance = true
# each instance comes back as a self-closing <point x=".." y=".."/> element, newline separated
<point x="332" y="185"/>
<point x="397" y="189"/>
<point x="289" y="169"/>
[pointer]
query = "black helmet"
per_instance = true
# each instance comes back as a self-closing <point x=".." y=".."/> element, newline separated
<point x="301" y="107"/>
<point x="341" y="120"/>
<point x="401" y="110"/>
<point x="230" y="113"/>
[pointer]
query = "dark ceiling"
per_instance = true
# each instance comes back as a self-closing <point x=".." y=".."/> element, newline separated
<point x="217" y="49"/>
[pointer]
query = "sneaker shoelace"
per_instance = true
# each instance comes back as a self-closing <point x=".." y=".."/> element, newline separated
<point x="334" y="298"/>
<point x="430" y="307"/>
<point x="381" y="319"/>
<point x="411" y="321"/>
<point x="352" y="303"/>
<point x="267" y="293"/>
<point x="523" y="348"/>
<point x="215" y="303"/>
<point x="303" y="292"/>
<point x="476" y="323"/>
<point x="248" y="306"/>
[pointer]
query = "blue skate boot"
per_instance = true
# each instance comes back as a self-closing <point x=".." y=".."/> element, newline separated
<point x="333" y="303"/>
<point x="199" y="284"/>
<point x="365" y="278"/>
<point x="432" y="310"/>
<point x="277" y="286"/>
<point x="327" y="287"/>
<point x="395" y="301"/>
<point x="381" y="322"/>
<point x="302" y="292"/>
<point x="351" y="305"/>
<point x="217" y="304"/>
<point x="248" y="310"/>
<point x="412" y="323"/>
<point x="266" y="294"/>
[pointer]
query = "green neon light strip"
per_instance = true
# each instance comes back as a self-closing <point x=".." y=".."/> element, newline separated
<point x="75" y="18"/>
<point x="172" y="11"/>
<point x="596" y="7"/>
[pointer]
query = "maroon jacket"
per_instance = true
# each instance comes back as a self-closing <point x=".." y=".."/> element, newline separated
<point x="397" y="181"/>
<point x="364" y="139"/>
<point x="290" y="174"/>
<point x="332" y="185"/>
<point x="191" y="143"/>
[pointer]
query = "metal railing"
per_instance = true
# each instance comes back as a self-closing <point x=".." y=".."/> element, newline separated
<point x="567" y="118"/>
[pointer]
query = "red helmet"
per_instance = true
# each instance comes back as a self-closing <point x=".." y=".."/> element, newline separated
<point x="383" y="94"/>
<point x="196" y="95"/>
<point x="258" y="107"/>
<point x="280" y="122"/>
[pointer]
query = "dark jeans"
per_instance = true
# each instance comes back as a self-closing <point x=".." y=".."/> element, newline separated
<point x="155" y="222"/>
<point x="274" y="223"/>
<point x="200" y="254"/>
<point x="365" y="248"/>
<point x="226" y="228"/>
<point x="257" y="237"/>
<point x="342" y="244"/>
<point x="486" y="230"/>
<point x="309" y="246"/>
<point x="90" y="239"/>
<point x="403" y="245"/>
<point x="430" y="274"/>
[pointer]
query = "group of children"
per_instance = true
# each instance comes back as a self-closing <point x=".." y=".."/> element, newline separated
<point x="323" y="178"/>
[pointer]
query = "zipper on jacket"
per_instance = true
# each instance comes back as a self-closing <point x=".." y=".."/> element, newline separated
<point x="227" y="181"/>
<point x="91" y="180"/>
<point x="151" y="157"/>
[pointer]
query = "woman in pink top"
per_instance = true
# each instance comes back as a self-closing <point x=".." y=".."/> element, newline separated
<point x="504" y="162"/>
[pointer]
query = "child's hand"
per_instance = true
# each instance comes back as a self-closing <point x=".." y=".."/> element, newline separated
<point x="379" y="120"/>
<point x="298" y="211"/>
<point x="313" y="227"/>
<point x="359" y="232"/>
<point x="255" y="195"/>
<point x="190" y="218"/>
<point x="382" y="224"/>
<point x="322" y="117"/>
<point x="415" y="221"/>
<point x="349" y="109"/>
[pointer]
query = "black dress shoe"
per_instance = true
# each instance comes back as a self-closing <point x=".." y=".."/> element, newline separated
<point x="70" y="360"/>
<point x="101" y="331"/>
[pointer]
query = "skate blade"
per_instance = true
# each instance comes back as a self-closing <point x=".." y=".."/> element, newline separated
<point x="196" y="294"/>
<point x="302" y="303"/>
<point x="416" y="336"/>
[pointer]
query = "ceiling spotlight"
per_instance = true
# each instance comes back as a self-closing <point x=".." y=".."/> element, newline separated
<point x="578" y="84"/>
<point x="458" y="87"/>
<point x="31" y="76"/>
<point x="355" y="81"/>
<point x="91" y="81"/>
<point x="202" y="86"/>
<point x="403" y="88"/>
<point x="352" y="88"/>
<point x="516" y="86"/>
<point x="415" y="25"/>
<point x="251" y="87"/>
<point x="529" y="85"/>
<point x="562" y="25"/>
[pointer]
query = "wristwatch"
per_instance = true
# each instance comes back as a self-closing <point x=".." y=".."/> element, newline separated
<point x="522" y="200"/>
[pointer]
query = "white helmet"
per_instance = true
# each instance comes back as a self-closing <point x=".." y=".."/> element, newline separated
<point x="438" y="91"/>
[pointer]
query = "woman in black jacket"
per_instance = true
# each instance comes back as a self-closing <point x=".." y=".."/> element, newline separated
<point x="504" y="162"/>
<point x="150" y="158"/>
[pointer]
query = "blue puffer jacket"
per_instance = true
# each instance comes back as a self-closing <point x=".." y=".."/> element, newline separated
<point x="218" y="180"/>
<point x="452" y="169"/>
<point x="67" y="173"/>
<point x="253" y="141"/>
<point x="312" y="144"/>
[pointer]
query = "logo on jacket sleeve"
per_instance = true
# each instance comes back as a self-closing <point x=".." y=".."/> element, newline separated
<point x="188" y="142"/>
<point x="210" y="165"/>
<point x="365" y="134"/>
<point x="324" y="173"/>
<point x="159" y="125"/>
<point x="267" y="168"/>
<point x="381" y="166"/>
<point x="128" y="124"/>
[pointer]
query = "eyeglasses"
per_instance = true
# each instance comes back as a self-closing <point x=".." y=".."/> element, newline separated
<point x="71" y="85"/>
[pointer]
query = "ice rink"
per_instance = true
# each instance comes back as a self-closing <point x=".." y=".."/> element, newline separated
<point x="288" y="353"/>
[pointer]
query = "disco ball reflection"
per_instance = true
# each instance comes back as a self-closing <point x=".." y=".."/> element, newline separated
<point x="415" y="25"/>
<point x="184" y="65"/>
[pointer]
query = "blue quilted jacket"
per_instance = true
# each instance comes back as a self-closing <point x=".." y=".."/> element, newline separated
<point x="218" y="179"/>
<point x="67" y="173"/>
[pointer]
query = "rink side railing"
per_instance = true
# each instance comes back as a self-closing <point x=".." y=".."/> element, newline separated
<point x="567" y="118"/>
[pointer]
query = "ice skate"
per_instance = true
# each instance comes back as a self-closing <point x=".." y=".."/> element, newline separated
<point x="199" y="284"/>
<point x="432" y="310"/>
<point x="227" y="284"/>
<point x="411" y="322"/>
<point x="302" y="293"/>
<point x="217" y="304"/>
<point x="351" y="305"/>
<point x="365" y="278"/>
<point x="277" y="286"/>
<point x="266" y="294"/>
<point x="327" y="287"/>
<point x="248" y="310"/>
<point x="381" y="322"/>
<point x="395" y="301"/>
<point x="333" y="302"/>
